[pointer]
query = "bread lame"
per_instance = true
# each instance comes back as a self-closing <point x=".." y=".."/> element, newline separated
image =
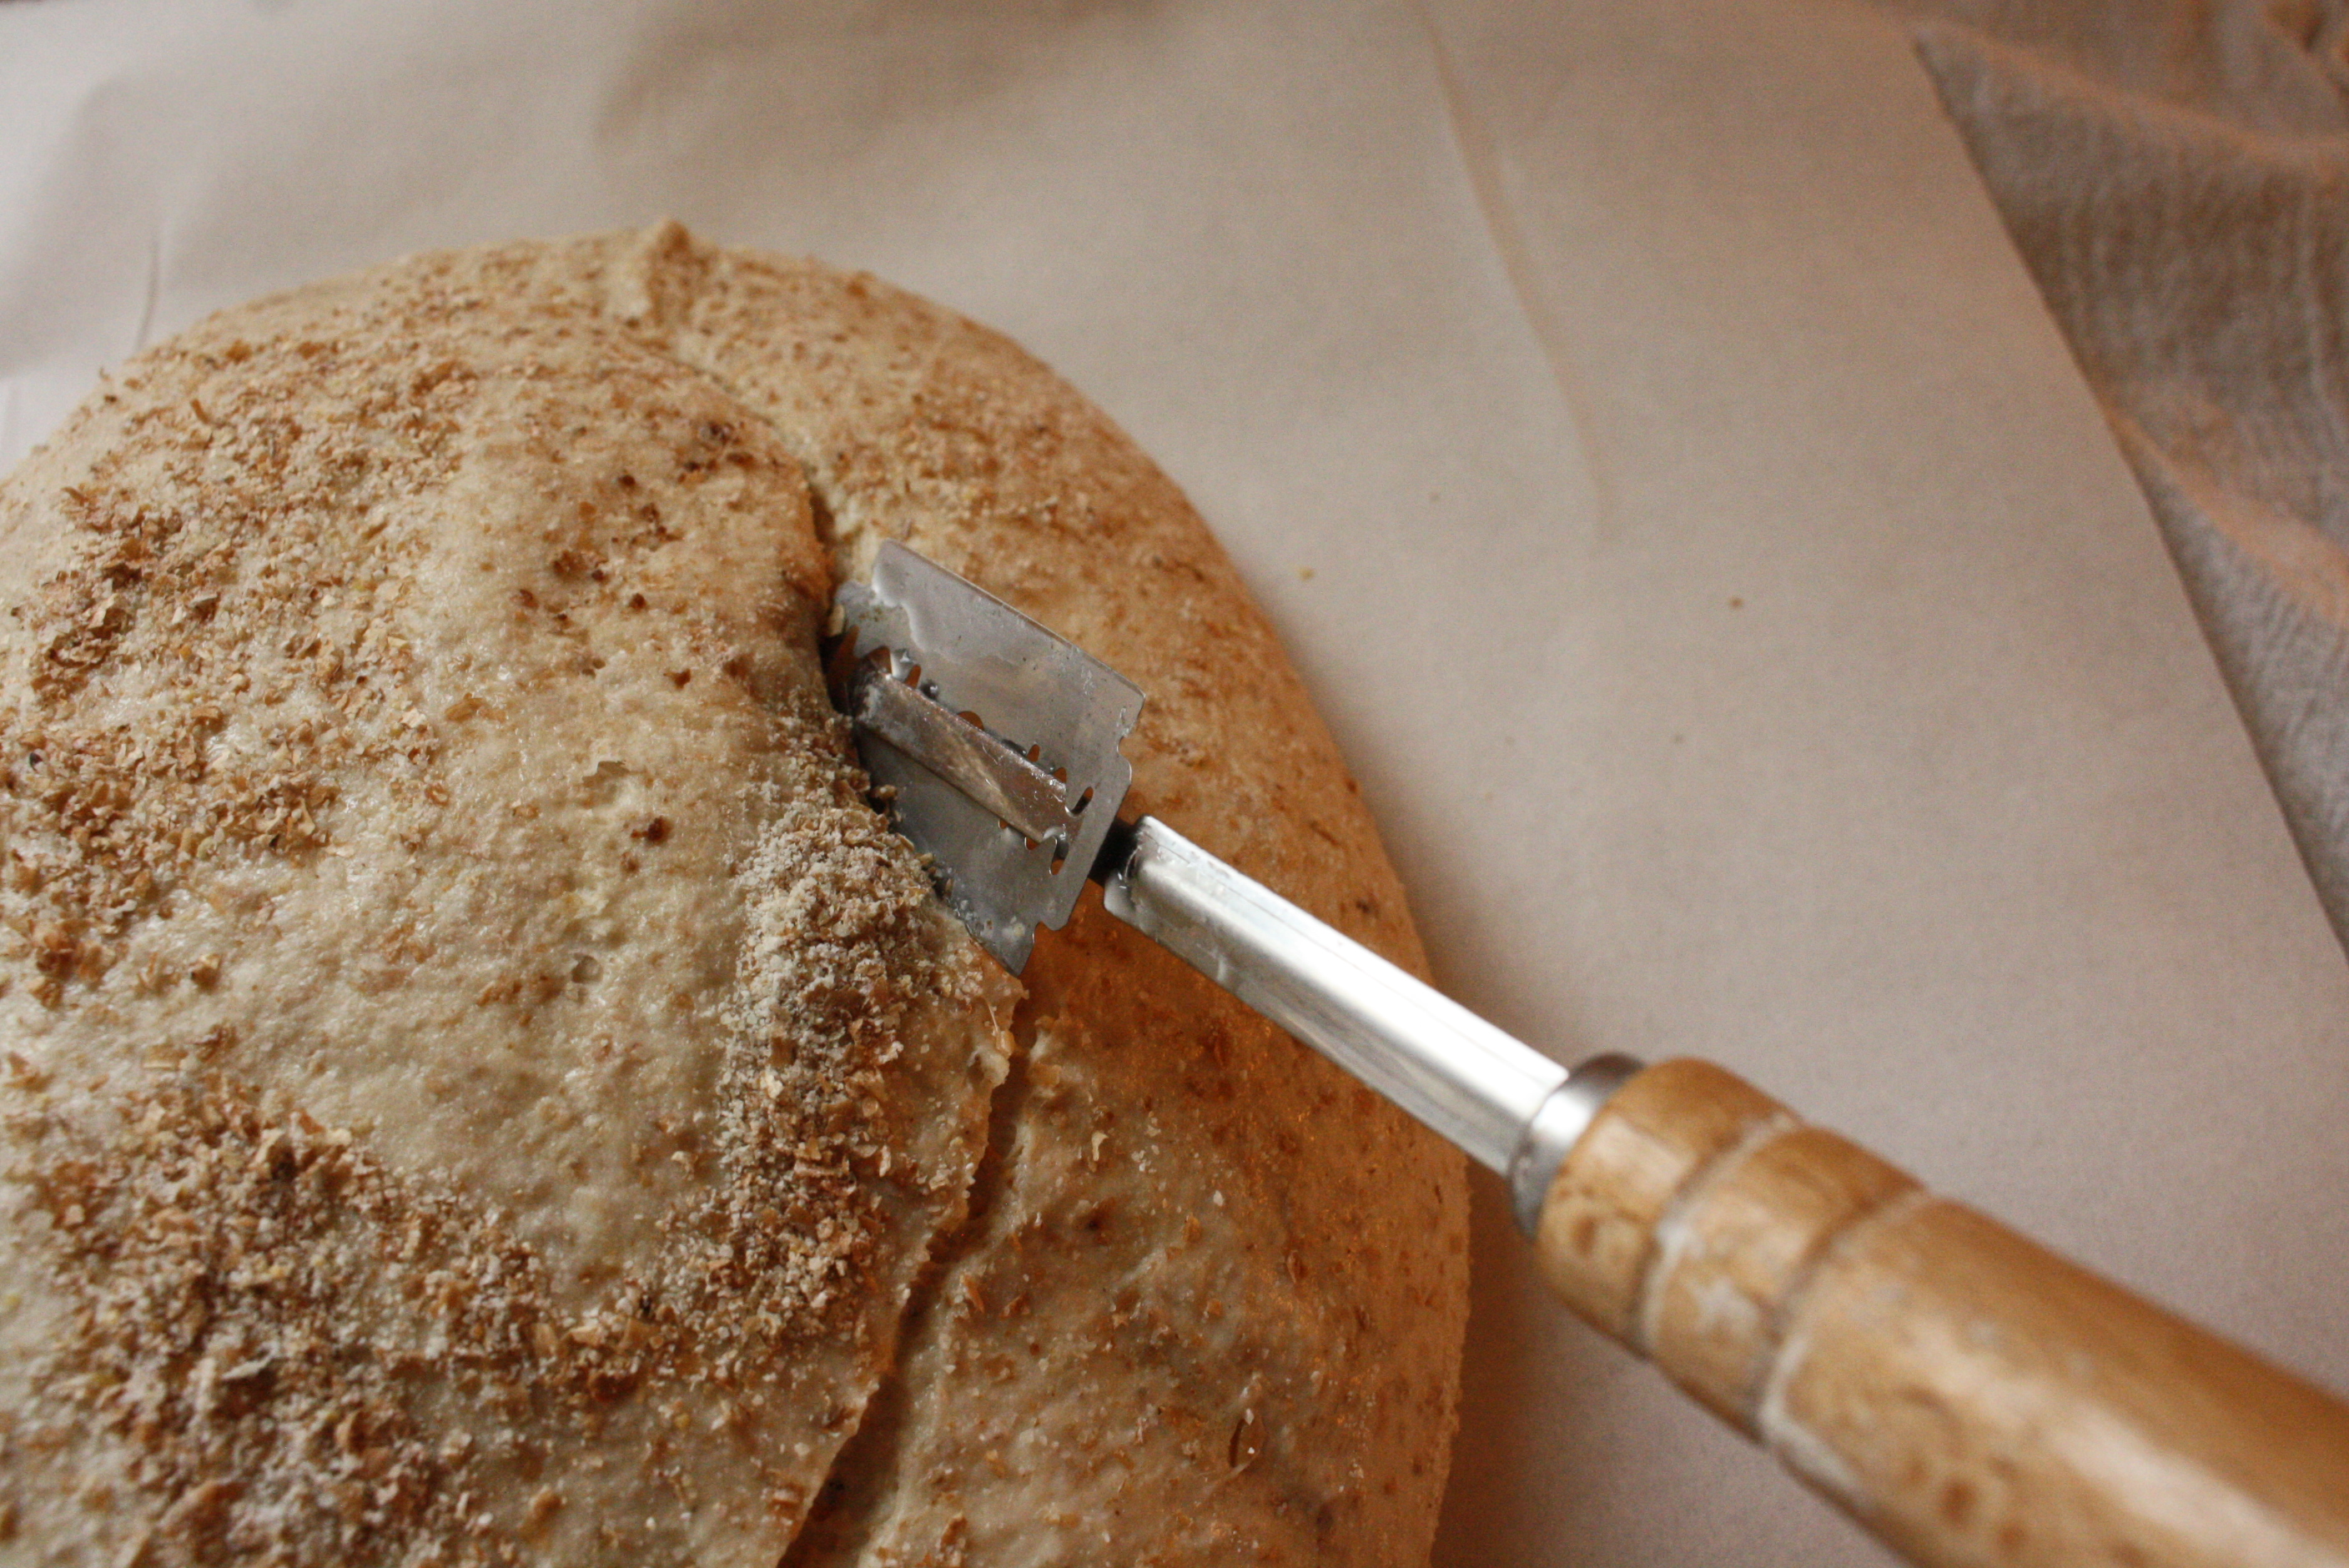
<point x="1966" y="1394"/>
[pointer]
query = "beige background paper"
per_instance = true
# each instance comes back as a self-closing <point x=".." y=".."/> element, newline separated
<point x="1948" y="833"/>
<point x="1640" y="430"/>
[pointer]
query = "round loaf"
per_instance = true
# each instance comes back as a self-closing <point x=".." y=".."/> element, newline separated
<point x="479" y="1084"/>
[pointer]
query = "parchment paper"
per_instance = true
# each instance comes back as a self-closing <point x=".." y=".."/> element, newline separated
<point x="1643" y="434"/>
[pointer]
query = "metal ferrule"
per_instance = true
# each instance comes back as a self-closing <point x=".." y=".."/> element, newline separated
<point x="1557" y="1128"/>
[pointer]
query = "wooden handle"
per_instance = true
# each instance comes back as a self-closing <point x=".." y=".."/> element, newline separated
<point x="1965" y="1394"/>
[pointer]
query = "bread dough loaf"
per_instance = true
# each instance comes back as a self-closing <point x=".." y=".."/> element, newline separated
<point x="478" y="1083"/>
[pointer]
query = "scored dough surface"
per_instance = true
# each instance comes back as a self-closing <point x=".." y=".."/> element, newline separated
<point x="480" y="1084"/>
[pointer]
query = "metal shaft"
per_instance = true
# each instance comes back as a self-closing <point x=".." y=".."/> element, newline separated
<point x="1513" y="1110"/>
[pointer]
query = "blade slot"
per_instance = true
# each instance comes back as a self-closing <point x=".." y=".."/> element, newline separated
<point x="962" y="751"/>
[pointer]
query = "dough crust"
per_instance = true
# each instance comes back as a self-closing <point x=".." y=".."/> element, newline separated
<point x="479" y="1084"/>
